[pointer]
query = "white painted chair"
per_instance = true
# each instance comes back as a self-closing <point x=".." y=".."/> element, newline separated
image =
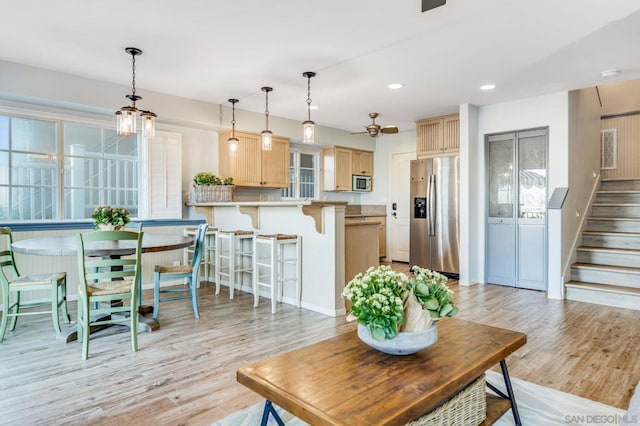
<point x="234" y="258"/>
<point x="271" y="254"/>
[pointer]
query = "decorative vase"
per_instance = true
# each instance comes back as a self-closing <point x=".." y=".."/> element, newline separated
<point x="403" y="343"/>
<point x="109" y="227"/>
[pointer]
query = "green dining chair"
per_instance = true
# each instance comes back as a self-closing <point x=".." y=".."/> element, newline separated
<point x="190" y="272"/>
<point x="110" y="281"/>
<point x="13" y="284"/>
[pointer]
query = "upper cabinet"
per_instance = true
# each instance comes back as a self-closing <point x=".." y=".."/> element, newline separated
<point x="339" y="164"/>
<point x="362" y="163"/>
<point x="250" y="166"/>
<point x="438" y="136"/>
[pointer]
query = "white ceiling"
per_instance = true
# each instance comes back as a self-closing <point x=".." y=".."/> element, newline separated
<point x="213" y="50"/>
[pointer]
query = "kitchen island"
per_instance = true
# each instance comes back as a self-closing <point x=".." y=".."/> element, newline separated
<point x="321" y="225"/>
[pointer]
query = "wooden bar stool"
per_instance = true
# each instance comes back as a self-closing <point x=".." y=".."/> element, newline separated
<point x="234" y="258"/>
<point x="270" y="255"/>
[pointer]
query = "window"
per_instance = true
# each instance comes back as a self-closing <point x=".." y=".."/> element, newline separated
<point x="303" y="173"/>
<point x="99" y="168"/>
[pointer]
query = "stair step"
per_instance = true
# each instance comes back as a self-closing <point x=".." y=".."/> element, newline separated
<point x="618" y="197"/>
<point x="605" y="256"/>
<point x="621" y="240"/>
<point x="606" y="274"/>
<point x="620" y="184"/>
<point x="613" y="224"/>
<point x="608" y="250"/>
<point x="622" y="210"/>
<point x="603" y="294"/>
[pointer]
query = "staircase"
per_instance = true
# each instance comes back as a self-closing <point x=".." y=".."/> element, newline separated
<point x="608" y="268"/>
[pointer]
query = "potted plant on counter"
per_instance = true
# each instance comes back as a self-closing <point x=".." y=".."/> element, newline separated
<point x="107" y="218"/>
<point x="209" y="187"/>
<point x="396" y="314"/>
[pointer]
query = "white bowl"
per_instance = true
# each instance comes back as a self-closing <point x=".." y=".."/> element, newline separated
<point x="403" y="343"/>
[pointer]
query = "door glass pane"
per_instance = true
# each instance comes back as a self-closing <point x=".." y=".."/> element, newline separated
<point x="501" y="178"/>
<point x="532" y="177"/>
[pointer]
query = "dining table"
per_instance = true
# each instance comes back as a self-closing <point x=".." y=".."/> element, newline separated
<point x="67" y="245"/>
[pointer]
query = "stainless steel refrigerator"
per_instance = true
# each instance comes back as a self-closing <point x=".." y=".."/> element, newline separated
<point x="434" y="223"/>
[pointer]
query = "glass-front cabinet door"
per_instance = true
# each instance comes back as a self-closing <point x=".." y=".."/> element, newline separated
<point x="532" y="205"/>
<point x="500" y="253"/>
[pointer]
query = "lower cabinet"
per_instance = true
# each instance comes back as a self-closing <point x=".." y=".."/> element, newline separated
<point x="360" y="247"/>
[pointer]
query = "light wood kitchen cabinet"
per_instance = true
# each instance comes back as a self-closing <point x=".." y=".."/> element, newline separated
<point x="382" y="236"/>
<point x="337" y="165"/>
<point x="438" y="136"/>
<point x="340" y="163"/>
<point x="250" y="166"/>
<point x="362" y="162"/>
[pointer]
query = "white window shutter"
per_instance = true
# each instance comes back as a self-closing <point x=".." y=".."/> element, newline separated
<point x="164" y="176"/>
<point x="608" y="149"/>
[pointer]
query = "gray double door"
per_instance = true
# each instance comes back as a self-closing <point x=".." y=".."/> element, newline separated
<point x="516" y="215"/>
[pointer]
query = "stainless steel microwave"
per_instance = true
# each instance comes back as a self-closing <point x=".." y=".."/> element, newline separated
<point x="361" y="183"/>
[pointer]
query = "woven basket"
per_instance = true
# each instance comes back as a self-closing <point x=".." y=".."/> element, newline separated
<point x="209" y="193"/>
<point x="468" y="407"/>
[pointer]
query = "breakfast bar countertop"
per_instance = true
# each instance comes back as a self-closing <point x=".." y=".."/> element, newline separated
<point x="279" y="203"/>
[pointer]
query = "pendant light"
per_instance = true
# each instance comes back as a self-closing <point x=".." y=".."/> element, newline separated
<point x="126" y="120"/>
<point x="308" y="125"/>
<point x="267" y="135"/>
<point x="233" y="141"/>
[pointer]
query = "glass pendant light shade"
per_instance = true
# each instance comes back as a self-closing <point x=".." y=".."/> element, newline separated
<point x="233" y="145"/>
<point x="308" y="126"/>
<point x="233" y="141"/>
<point x="126" y="121"/>
<point x="126" y="116"/>
<point x="267" y="138"/>
<point x="267" y="135"/>
<point x="148" y="124"/>
<point x="308" y="130"/>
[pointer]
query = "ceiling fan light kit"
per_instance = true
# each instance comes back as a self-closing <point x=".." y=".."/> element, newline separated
<point x="267" y="135"/>
<point x="233" y="141"/>
<point x="308" y="126"/>
<point x="126" y="120"/>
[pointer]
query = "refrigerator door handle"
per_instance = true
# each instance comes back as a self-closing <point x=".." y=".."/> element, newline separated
<point x="431" y="193"/>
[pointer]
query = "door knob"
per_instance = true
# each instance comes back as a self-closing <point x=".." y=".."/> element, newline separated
<point x="395" y="215"/>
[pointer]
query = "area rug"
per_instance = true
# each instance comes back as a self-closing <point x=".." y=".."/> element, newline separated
<point x="537" y="405"/>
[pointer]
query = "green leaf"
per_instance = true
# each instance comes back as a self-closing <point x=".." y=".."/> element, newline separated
<point x="378" y="334"/>
<point x="452" y="312"/>
<point x="446" y="309"/>
<point x="422" y="289"/>
<point x="432" y="304"/>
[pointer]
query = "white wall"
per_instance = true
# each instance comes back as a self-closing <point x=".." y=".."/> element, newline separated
<point x="584" y="169"/>
<point x="471" y="216"/>
<point x="550" y="111"/>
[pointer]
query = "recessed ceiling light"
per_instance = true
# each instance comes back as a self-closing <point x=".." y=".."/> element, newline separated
<point x="395" y="85"/>
<point x="487" y="87"/>
<point x="609" y="73"/>
<point x="314" y="107"/>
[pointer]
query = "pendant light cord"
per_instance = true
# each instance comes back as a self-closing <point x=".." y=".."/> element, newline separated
<point x="133" y="74"/>
<point x="266" y="112"/>
<point x="309" y="97"/>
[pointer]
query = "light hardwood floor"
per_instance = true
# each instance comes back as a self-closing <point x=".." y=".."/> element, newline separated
<point x="184" y="373"/>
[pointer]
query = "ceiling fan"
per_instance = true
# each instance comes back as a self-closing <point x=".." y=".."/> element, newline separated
<point x="432" y="4"/>
<point x="375" y="129"/>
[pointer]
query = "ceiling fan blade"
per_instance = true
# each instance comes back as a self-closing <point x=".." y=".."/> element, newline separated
<point x="389" y="130"/>
<point x="358" y="133"/>
<point x="432" y="4"/>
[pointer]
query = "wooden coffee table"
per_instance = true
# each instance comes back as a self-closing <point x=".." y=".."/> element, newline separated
<point x="342" y="381"/>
